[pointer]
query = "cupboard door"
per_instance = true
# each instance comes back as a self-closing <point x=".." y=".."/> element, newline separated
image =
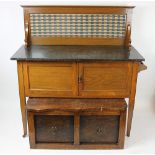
<point x="54" y="128"/>
<point x="107" y="79"/>
<point x="99" y="129"/>
<point x="50" y="79"/>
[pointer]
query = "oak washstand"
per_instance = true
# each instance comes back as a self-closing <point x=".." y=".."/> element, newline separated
<point x="77" y="52"/>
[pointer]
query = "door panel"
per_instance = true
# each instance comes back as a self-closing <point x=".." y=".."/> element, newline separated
<point x="105" y="79"/>
<point x="51" y="128"/>
<point x="99" y="129"/>
<point x="50" y="79"/>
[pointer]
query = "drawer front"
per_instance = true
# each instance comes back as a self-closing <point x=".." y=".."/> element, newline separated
<point x="99" y="129"/>
<point x="50" y="128"/>
<point x="50" y="79"/>
<point x="105" y="79"/>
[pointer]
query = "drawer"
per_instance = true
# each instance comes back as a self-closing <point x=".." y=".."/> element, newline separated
<point x="51" y="128"/>
<point x="99" y="129"/>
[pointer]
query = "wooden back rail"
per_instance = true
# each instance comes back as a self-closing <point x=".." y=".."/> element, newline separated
<point x="77" y="25"/>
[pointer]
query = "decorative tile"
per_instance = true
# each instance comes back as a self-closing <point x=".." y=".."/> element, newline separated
<point x="78" y="25"/>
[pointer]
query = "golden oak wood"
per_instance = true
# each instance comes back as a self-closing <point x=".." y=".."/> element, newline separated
<point x="50" y="79"/>
<point x="128" y="36"/>
<point x="78" y="9"/>
<point x="22" y="96"/>
<point x="116" y="84"/>
<point x="80" y="80"/>
<point x="27" y="28"/>
<point x="108" y="79"/>
<point x="31" y="129"/>
<point x="132" y="96"/>
<point x="76" y="41"/>
<point x="103" y="80"/>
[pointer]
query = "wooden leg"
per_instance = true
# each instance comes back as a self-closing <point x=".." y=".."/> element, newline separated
<point x="31" y="129"/>
<point x="22" y="97"/>
<point x="122" y="129"/>
<point x="132" y="97"/>
<point x="130" y="115"/>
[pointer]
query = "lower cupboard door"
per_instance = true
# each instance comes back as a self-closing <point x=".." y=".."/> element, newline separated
<point x="54" y="129"/>
<point x="99" y="129"/>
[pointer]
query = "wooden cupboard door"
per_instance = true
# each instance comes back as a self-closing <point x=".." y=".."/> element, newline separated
<point x="49" y="79"/>
<point x="107" y="79"/>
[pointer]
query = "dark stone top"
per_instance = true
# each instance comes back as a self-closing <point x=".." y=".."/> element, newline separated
<point x="77" y="53"/>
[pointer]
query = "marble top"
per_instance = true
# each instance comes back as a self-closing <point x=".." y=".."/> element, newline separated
<point x="77" y="53"/>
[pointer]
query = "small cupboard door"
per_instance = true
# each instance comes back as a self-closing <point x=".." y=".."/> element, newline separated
<point x="50" y="79"/>
<point x="54" y="128"/>
<point x="99" y="129"/>
<point x="107" y="79"/>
